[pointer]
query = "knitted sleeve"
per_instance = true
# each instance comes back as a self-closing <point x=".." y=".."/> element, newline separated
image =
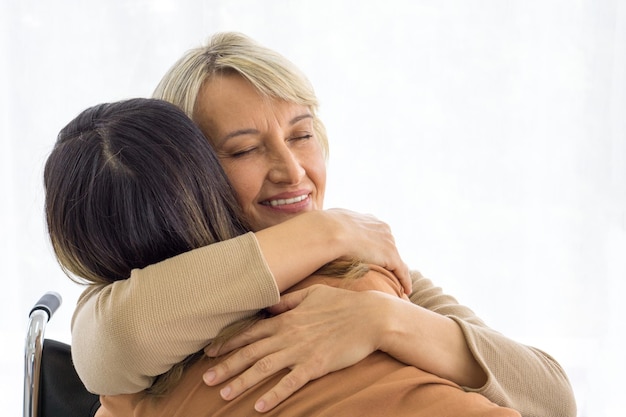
<point x="518" y="376"/>
<point x="126" y="333"/>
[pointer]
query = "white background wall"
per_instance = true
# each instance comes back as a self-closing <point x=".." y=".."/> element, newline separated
<point x="490" y="134"/>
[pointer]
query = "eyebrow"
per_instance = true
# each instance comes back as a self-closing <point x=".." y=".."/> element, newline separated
<point x="240" y="132"/>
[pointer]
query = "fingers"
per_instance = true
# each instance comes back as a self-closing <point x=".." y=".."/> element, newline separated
<point x="378" y="247"/>
<point x="289" y="301"/>
<point x="256" y="355"/>
<point x="287" y="386"/>
<point x="404" y="276"/>
<point x="262" y="369"/>
<point x="259" y="330"/>
<point x="252" y="354"/>
<point x="397" y="265"/>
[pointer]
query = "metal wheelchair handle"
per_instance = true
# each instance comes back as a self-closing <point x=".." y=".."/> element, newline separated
<point x="49" y="302"/>
<point x="38" y="318"/>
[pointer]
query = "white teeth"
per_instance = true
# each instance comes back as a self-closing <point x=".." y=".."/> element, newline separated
<point x="281" y="202"/>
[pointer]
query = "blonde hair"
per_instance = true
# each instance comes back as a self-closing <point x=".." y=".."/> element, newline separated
<point x="229" y="52"/>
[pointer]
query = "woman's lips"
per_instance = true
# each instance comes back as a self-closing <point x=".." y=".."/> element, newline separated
<point x="285" y="201"/>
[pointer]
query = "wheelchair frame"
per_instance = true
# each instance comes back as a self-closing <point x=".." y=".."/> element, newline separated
<point x="39" y="316"/>
<point x="52" y="387"/>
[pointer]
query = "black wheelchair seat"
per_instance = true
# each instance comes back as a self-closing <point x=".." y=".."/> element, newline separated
<point x="61" y="392"/>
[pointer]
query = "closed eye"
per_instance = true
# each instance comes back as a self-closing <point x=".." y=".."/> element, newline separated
<point x="303" y="137"/>
<point x="242" y="152"/>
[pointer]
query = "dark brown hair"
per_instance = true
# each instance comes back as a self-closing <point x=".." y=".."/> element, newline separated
<point x="132" y="183"/>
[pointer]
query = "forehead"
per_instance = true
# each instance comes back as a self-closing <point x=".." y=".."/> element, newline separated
<point x="228" y="102"/>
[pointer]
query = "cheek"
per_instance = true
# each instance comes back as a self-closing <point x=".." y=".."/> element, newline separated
<point x="321" y="188"/>
<point x="320" y="176"/>
<point x="317" y="174"/>
<point x="245" y="183"/>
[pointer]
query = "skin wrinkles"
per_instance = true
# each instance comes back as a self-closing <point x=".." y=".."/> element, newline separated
<point x="267" y="148"/>
<point x="242" y="132"/>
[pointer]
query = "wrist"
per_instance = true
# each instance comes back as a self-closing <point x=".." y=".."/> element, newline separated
<point x="429" y="341"/>
<point x="326" y="234"/>
<point x="380" y="311"/>
<point x="391" y="328"/>
<point x="338" y="235"/>
<point x="310" y="239"/>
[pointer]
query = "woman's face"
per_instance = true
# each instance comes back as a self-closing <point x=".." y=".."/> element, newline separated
<point x="267" y="148"/>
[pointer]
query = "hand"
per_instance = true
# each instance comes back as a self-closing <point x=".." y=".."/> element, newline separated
<point x="319" y="330"/>
<point x="371" y="241"/>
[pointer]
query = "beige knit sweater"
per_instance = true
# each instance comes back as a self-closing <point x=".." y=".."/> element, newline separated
<point x="126" y="333"/>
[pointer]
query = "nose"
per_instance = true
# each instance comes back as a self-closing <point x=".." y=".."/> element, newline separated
<point x="285" y="166"/>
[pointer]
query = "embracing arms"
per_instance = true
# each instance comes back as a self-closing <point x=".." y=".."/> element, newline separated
<point x="324" y="329"/>
<point x="126" y="333"/>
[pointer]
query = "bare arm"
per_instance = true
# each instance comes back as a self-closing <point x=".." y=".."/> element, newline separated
<point x="295" y="249"/>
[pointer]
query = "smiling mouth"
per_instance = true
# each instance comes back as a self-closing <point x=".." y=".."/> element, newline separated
<point x="283" y="202"/>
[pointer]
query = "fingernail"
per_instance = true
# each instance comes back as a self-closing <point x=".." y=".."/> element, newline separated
<point x="260" y="406"/>
<point x="225" y="392"/>
<point x="209" y="376"/>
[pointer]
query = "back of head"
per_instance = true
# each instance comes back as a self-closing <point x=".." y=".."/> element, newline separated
<point x="230" y="52"/>
<point x="133" y="183"/>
